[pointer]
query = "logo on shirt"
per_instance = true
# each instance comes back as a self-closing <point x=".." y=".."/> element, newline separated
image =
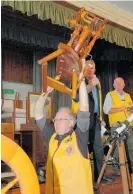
<point x="69" y="150"/>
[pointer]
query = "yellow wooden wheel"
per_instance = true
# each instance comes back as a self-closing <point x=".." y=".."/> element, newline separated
<point x="14" y="156"/>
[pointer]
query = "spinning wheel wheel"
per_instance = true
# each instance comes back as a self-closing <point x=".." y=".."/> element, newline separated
<point x="68" y="64"/>
<point x="19" y="162"/>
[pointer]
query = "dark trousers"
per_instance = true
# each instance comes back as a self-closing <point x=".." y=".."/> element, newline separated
<point x="96" y="146"/>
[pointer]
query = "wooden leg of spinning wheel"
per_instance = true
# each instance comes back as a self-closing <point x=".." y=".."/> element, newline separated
<point x="44" y="78"/>
<point x="123" y="170"/>
<point x="74" y="84"/>
<point x="132" y="182"/>
<point x="104" y="166"/>
<point x="128" y="174"/>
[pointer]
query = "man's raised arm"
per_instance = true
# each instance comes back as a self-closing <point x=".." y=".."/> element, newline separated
<point x="40" y="112"/>
<point x="83" y="115"/>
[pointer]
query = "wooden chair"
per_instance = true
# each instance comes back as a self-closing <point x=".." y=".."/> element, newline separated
<point x="13" y="112"/>
<point x="7" y="129"/>
<point x="68" y="64"/>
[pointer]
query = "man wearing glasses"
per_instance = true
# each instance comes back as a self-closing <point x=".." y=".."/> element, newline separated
<point x="68" y="167"/>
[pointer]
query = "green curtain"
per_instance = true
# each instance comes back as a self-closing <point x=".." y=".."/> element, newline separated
<point x="30" y="36"/>
<point x="60" y="14"/>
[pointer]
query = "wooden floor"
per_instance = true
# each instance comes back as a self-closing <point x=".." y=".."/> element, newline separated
<point x="104" y="188"/>
<point x="17" y="191"/>
<point x="111" y="188"/>
<point x="114" y="188"/>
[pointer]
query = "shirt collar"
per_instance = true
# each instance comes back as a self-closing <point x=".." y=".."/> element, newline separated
<point x="61" y="137"/>
<point x="122" y="93"/>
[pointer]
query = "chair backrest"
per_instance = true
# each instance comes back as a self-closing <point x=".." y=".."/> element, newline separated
<point x="10" y="105"/>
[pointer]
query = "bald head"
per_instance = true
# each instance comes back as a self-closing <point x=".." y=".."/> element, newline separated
<point x="64" y="121"/>
<point x="119" y="84"/>
<point x="90" y="63"/>
<point x="90" y="68"/>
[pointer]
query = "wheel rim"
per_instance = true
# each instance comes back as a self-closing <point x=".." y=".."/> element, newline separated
<point x="14" y="156"/>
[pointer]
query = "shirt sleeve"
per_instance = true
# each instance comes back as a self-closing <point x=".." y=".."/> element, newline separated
<point x="83" y="120"/>
<point x="108" y="102"/>
<point x="82" y="132"/>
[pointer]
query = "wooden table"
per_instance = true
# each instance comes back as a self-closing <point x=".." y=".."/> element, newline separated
<point x="38" y="150"/>
<point x="24" y="143"/>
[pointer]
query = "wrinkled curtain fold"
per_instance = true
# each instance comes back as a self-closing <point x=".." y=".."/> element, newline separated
<point x="60" y="15"/>
<point x="29" y="36"/>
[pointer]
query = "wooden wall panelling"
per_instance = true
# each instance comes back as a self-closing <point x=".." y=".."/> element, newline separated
<point x="4" y="67"/>
<point x="28" y="73"/>
<point x="13" y="67"/>
<point x="9" y="72"/>
<point x="17" y="66"/>
<point x="24" y="72"/>
<point x="18" y="69"/>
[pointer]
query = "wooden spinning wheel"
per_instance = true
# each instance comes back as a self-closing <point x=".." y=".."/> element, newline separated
<point x="20" y="163"/>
